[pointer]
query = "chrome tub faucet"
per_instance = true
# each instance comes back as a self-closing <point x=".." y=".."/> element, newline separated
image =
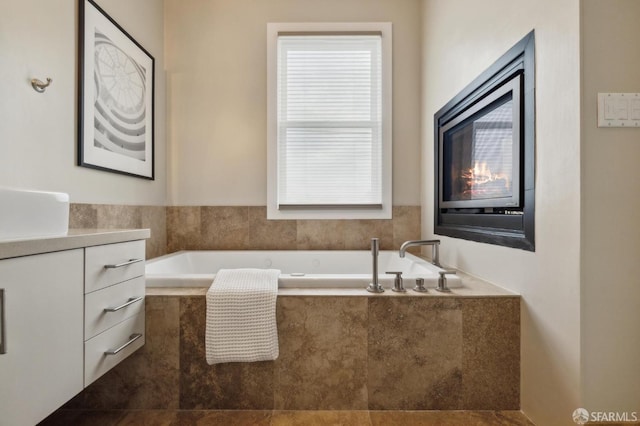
<point x="374" y="286"/>
<point x="435" y="249"/>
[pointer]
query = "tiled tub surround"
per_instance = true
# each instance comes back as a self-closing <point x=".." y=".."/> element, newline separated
<point x="337" y="352"/>
<point x="245" y="228"/>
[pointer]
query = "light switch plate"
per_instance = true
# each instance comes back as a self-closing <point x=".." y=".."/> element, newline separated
<point x="619" y="110"/>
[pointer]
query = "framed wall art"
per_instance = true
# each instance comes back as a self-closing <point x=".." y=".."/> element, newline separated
<point x="115" y="97"/>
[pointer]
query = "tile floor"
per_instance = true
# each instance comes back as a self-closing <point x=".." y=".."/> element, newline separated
<point x="283" y="418"/>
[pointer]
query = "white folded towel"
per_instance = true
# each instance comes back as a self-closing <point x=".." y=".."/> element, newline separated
<point x="241" y="316"/>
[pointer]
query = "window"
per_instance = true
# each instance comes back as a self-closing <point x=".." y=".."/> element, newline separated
<point x="329" y="141"/>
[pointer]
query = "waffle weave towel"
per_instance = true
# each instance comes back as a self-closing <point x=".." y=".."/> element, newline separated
<point x="241" y="316"/>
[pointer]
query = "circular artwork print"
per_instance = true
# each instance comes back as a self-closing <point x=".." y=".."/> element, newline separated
<point x="120" y="97"/>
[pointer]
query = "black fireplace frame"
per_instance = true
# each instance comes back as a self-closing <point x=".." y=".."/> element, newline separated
<point x="510" y="227"/>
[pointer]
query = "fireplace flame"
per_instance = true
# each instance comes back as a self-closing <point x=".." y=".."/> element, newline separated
<point x="481" y="176"/>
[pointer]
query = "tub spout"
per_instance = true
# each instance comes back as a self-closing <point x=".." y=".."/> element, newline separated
<point x="435" y="248"/>
<point x="374" y="286"/>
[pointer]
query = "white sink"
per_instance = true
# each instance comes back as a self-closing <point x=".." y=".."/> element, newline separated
<point x="31" y="214"/>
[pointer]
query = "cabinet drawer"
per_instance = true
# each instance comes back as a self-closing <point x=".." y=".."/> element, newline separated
<point x="113" y="263"/>
<point x="101" y="307"/>
<point x="97" y="361"/>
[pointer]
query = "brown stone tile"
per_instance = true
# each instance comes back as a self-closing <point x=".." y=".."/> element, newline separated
<point x="320" y="418"/>
<point x="613" y="423"/>
<point x="157" y="372"/>
<point x="225" y="228"/>
<point x="224" y="418"/>
<point x="415" y="353"/>
<point x="286" y="418"/>
<point x="323" y="356"/>
<point x="270" y="234"/>
<point x="235" y="386"/>
<point x="150" y="418"/>
<point x="449" y="418"/>
<point x="358" y="234"/>
<point x="155" y="218"/>
<point x="112" y="216"/>
<point x="83" y="216"/>
<point x="83" y="418"/>
<point x="119" y="217"/>
<point x="406" y="226"/>
<point x="491" y="354"/>
<point x="184" y="231"/>
<point x="149" y="378"/>
<point x="320" y="234"/>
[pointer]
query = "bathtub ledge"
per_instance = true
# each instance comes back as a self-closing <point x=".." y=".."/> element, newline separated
<point x="472" y="288"/>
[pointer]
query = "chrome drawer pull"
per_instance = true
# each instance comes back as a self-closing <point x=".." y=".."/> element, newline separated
<point x="132" y="339"/>
<point x="131" y="301"/>
<point x="3" y="335"/>
<point x="120" y="265"/>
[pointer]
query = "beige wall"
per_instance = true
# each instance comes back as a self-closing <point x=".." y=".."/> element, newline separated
<point x="216" y="64"/>
<point x="461" y="38"/>
<point x="610" y="206"/>
<point x="38" y="39"/>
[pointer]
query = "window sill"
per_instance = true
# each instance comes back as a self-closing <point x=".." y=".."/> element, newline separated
<point x="273" y="213"/>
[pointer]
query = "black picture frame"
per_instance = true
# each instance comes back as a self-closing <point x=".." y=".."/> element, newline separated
<point x="116" y="78"/>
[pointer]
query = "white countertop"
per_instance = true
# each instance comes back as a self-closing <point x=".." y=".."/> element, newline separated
<point x="75" y="238"/>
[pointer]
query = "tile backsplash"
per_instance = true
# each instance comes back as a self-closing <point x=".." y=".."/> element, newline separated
<point x="176" y="228"/>
<point x="105" y="216"/>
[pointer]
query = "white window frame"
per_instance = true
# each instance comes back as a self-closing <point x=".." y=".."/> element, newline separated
<point x="329" y="212"/>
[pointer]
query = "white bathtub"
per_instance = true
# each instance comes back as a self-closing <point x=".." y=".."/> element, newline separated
<point x="300" y="269"/>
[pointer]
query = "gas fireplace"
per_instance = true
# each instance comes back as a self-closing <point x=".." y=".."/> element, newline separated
<point x="484" y="155"/>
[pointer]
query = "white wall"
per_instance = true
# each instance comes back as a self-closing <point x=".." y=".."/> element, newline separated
<point x="461" y="38"/>
<point x="610" y="206"/>
<point x="216" y="64"/>
<point x="38" y="132"/>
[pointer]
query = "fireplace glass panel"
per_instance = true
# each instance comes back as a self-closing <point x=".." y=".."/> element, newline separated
<point x="481" y="157"/>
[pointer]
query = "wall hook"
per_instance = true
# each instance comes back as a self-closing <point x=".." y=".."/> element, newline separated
<point x="39" y="86"/>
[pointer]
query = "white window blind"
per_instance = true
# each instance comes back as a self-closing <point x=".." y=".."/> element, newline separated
<point x="329" y="120"/>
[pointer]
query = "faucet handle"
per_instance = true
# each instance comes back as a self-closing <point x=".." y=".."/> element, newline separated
<point x="442" y="281"/>
<point x="397" y="283"/>
<point x="420" y="288"/>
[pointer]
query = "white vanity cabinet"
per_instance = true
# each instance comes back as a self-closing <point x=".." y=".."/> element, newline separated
<point x="71" y="308"/>
<point x="41" y="333"/>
